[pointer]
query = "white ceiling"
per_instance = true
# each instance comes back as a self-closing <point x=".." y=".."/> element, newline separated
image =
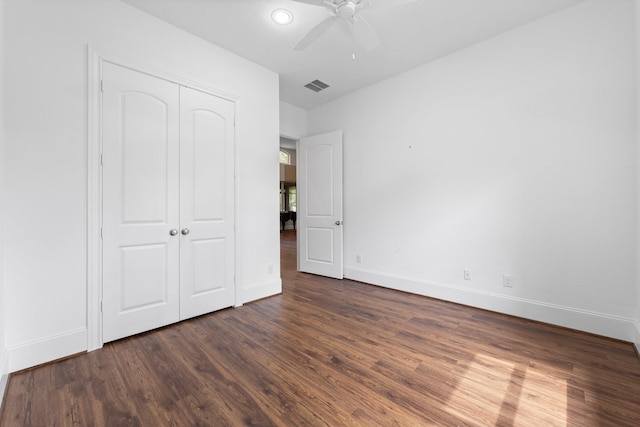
<point x="411" y="35"/>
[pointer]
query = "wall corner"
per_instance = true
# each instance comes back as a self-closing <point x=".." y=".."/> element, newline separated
<point x="637" y="278"/>
<point x="4" y="377"/>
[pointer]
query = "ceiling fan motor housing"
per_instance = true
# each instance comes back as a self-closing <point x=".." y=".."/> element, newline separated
<point x="347" y="9"/>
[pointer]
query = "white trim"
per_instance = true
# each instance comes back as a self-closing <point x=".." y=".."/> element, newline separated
<point x="636" y="340"/>
<point x="237" y="226"/>
<point x="47" y="349"/>
<point x="261" y="290"/>
<point x="297" y="138"/>
<point x="4" y="376"/>
<point x="587" y="321"/>
<point x="103" y="56"/>
<point x="94" y="178"/>
<point x="4" y="379"/>
<point x="94" y="202"/>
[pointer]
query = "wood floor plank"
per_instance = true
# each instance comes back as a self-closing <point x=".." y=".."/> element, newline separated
<point x="338" y="353"/>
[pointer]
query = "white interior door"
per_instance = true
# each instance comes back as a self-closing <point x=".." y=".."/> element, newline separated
<point x="319" y="185"/>
<point x="140" y="202"/>
<point x="207" y="203"/>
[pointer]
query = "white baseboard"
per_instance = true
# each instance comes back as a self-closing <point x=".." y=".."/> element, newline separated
<point x="583" y="320"/>
<point x="636" y="341"/>
<point x="47" y="349"/>
<point x="261" y="290"/>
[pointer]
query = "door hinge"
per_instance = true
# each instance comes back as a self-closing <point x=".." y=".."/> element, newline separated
<point x="101" y="159"/>
<point x="101" y="307"/>
<point x="101" y="85"/>
<point x="101" y="232"/>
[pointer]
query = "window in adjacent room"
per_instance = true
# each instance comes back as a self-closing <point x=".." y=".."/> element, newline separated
<point x="292" y="199"/>
<point x="283" y="198"/>
<point x="285" y="157"/>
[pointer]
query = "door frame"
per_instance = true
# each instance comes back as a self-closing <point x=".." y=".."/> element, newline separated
<point x="95" y="59"/>
<point x="299" y="189"/>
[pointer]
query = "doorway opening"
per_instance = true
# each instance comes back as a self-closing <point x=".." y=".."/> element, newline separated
<point x="288" y="205"/>
<point x="288" y="190"/>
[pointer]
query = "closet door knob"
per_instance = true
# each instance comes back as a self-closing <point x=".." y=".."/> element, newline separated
<point x="173" y="232"/>
<point x="185" y="231"/>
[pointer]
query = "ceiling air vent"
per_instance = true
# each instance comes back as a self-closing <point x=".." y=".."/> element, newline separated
<point x="316" y="85"/>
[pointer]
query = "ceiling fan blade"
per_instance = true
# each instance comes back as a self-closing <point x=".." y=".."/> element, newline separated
<point x="379" y="4"/>
<point x="315" y="33"/>
<point x="312" y="2"/>
<point x="364" y="34"/>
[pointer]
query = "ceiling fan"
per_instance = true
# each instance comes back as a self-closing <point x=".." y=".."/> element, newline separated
<point x="348" y="11"/>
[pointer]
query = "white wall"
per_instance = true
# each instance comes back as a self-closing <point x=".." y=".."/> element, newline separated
<point x="3" y="348"/>
<point x="637" y="52"/>
<point x="515" y="156"/>
<point x="293" y="121"/>
<point x="46" y="150"/>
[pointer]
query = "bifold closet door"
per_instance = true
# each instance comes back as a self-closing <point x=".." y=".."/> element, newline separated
<point x="141" y="204"/>
<point x="207" y="203"/>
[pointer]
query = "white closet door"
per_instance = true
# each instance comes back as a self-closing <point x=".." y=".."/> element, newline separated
<point x="140" y="202"/>
<point x="207" y="203"/>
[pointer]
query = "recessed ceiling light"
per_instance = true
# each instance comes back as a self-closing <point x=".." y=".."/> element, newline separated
<point x="282" y="16"/>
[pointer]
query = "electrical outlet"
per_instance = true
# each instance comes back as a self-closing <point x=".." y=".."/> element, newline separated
<point x="359" y="259"/>
<point x="467" y="275"/>
<point x="507" y="281"/>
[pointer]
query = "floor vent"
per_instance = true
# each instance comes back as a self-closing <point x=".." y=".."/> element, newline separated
<point x="316" y="85"/>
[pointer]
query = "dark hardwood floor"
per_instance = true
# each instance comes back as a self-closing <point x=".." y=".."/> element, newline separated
<point x="338" y="353"/>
